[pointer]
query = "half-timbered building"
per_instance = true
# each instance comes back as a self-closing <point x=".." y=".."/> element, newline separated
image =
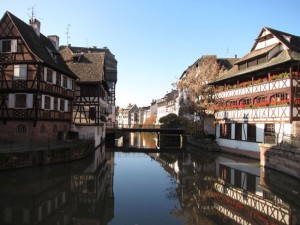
<point x="37" y="87"/>
<point x="258" y="99"/>
<point x="92" y="104"/>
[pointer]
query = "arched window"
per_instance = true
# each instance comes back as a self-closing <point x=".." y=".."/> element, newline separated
<point x="245" y="102"/>
<point x="261" y="101"/>
<point x="231" y="103"/>
<point x="21" y="129"/>
<point x="280" y="98"/>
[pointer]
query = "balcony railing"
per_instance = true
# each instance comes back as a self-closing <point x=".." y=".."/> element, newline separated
<point x="270" y="113"/>
<point x="250" y="87"/>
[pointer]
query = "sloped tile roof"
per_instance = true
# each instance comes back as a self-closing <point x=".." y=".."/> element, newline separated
<point x="291" y="53"/>
<point x="89" y="67"/>
<point x="283" y="57"/>
<point x="39" y="46"/>
<point x="256" y="53"/>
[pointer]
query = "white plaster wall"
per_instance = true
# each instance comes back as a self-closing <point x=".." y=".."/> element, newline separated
<point x="239" y="145"/>
<point x="95" y="132"/>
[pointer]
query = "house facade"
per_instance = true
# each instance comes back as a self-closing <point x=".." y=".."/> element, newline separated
<point x="128" y="117"/>
<point x="37" y="87"/>
<point x="258" y="99"/>
<point x="91" y="104"/>
<point x="166" y="105"/>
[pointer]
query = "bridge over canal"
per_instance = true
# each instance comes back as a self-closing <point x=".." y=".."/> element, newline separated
<point x="167" y="138"/>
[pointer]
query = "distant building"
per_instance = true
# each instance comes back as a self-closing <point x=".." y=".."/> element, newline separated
<point x="143" y="114"/>
<point x="37" y="87"/>
<point x="166" y="105"/>
<point x="128" y="117"/>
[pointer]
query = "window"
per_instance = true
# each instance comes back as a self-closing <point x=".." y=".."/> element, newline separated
<point x="20" y="101"/>
<point x="269" y="128"/>
<point x="238" y="178"/>
<point x="232" y="103"/>
<point x="64" y="81"/>
<point x="20" y="72"/>
<point x="225" y="173"/>
<point x="225" y="130"/>
<point x="61" y="105"/>
<point x="49" y="76"/>
<point x="238" y="131"/>
<point x="9" y="45"/>
<point x="47" y="103"/>
<point x="245" y="102"/>
<point x="280" y="98"/>
<point x="21" y="129"/>
<point x="260" y="99"/>
<point x="251" y="132"/>
<point x="251" y="183"/>
<point x="92" y="113"/>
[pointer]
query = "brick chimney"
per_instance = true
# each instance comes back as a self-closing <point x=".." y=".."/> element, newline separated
<point x="55" y="41"/>
<point x="36" y="25"/>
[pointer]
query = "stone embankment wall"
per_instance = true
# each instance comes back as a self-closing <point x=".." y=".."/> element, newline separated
<point x="46" y="156"/>
<point x="282" y="160"/>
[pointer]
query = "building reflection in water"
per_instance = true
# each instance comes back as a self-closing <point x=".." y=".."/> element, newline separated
<point x="73" y="193"/>
<point x="221" y="189"/>
<point x="212" y="188"/>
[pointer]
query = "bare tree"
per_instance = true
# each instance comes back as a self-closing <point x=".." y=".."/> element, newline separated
<point x="200" y="98"/>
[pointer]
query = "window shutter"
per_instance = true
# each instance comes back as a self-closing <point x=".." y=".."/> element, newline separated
<point x="52" y="103"/>
<point x="45" y="73"/>
<point x="11" y="100"/>
<point x="29" y="100"/>
<point x="14" y="44"/>
<point x="54" y="77"/>
<point x="43" y="102"/>
<point x="66" y="106"/>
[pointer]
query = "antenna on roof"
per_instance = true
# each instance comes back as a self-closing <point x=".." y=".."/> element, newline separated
<point x="32" y="13"/>
<point x="67" y="33"/>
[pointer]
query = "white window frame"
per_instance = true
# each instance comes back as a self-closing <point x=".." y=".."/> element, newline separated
<point x="62" y="81"/>
<point x="46" y="75"/>
<point x="13" y="45"/>
<point x="15" y="101"/>
<point x="44" y="101"/>
<point x="20" y="72"/>
<point x="60" y="104"/>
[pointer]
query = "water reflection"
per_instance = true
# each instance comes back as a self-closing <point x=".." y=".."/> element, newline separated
<point x="198" y="188"/>
<point x="73" y="193"/>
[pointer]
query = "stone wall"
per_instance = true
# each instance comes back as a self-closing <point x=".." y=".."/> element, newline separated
<point x="281" y="160"/>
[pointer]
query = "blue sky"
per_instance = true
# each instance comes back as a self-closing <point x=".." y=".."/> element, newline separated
<point x="155" y="41"/>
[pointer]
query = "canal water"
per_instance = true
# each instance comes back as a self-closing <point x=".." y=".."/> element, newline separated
<point x="173" y="186"/>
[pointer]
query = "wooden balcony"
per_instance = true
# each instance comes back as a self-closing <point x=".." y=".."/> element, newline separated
<point x="32" y="85"/>
<point x="270" y="113"/>
<point x="254" y="89"/>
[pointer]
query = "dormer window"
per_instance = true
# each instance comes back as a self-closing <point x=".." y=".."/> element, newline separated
<point x="8" y="45"/>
